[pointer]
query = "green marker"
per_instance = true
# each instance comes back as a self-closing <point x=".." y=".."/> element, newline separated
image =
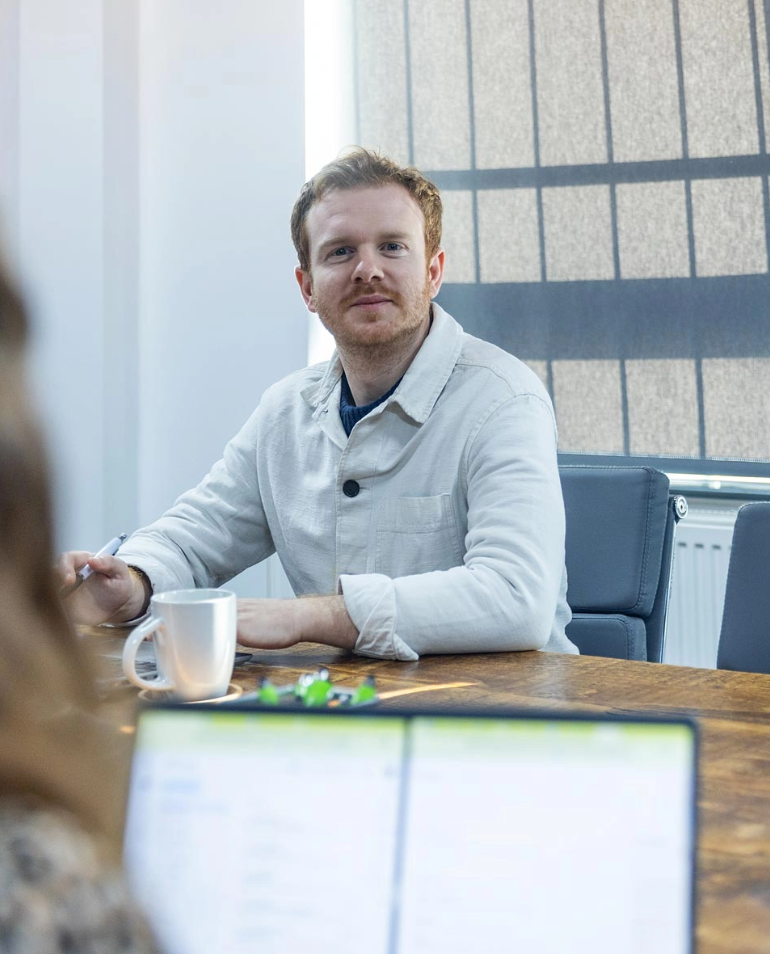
<point x="301" y="686"/>
<point x="317" y="693"/>
<point x="268" y="694"/>
<point x="365" y="692"/>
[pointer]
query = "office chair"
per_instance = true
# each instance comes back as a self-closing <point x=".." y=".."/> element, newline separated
<point x="619" y="555"/>
<point x="744" y="642"/>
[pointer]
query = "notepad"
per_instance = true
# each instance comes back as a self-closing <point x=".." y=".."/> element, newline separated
<point x="393" y="833"/>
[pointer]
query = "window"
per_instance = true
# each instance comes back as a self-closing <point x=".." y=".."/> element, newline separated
<point x="604" y="170"/>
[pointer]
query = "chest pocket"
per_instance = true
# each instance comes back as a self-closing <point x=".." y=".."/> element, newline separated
<point x="416" y="535"/>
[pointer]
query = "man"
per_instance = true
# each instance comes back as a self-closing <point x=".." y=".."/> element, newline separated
<point x="411" y="481"/>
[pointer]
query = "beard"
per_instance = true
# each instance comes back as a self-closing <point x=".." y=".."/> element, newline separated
<point x="375" y="338"/>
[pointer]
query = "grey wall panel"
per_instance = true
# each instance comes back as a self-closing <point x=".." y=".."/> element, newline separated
<point x="588" y="401"/>
<point x="763" y="63"/>
<point x="382" y="75"/>
<point x="440" y="94"/>
<point x="662" y="407"/>
<point x="729" y="227"/>
<point x="502" y="91"/>
<point x="736" y="403"/>
<point x="718" y="77"/>
<point x="578" y="233"/>
<point x="652" y="230"/>
<point x="509" y="243"/>
<point x="570" y="97"/>
<point x="458" y="237"/>
<point x="644" y="97"/>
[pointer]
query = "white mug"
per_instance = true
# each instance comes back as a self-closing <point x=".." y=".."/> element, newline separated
<point x="194" y="641"/>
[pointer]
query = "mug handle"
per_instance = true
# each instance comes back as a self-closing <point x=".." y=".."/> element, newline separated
<point x="133" y="641"/>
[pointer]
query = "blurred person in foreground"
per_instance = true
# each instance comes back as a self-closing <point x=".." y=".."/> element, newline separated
<point x="61" y="889"/>
<point x="409" y="485"/>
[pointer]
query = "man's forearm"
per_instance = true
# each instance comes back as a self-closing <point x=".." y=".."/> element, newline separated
<point x="277" y="624"/>
<point x="325" y="619"/>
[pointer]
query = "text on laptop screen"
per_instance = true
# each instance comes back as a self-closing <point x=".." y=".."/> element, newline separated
<point x="283" y="832"/>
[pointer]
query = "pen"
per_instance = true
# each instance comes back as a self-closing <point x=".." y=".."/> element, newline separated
<point x="85" y="571"/>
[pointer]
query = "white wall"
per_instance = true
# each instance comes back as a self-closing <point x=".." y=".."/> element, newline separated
<point x="330" y="121"/>
<point x="9" y="122"/>
<point x="154" y="151"/>
<point x="60" y="241"/>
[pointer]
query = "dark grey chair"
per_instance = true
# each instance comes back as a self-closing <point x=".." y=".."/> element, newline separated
<point x="619" y="554"/>
<point x="744" y="642"/>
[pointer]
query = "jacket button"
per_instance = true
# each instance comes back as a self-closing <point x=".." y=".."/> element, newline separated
<point x="350" y="488"/>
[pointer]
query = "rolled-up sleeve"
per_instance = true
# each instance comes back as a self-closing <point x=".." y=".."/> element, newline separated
<point x="504" y="596"/>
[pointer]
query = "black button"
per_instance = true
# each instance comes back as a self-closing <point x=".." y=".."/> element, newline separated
<point x="350" y="488"/>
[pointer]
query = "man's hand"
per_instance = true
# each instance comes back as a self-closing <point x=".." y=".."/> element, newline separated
<point x="111" y="593"/>
<point x="277" y="624"/>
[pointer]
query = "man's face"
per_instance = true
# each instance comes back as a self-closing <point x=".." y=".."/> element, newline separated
<point x="369" y="281"/>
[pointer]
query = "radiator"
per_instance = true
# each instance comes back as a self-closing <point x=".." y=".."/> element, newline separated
<point x="701" y="556"/>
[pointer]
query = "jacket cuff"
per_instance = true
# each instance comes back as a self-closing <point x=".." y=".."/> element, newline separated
<point x="370" y="600"/>
<point x="159" y="577"/>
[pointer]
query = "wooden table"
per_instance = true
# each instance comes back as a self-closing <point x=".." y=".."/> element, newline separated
<point x="732" y="710"/>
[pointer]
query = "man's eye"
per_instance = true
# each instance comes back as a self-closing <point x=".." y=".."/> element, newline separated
<point x="340" y="252"/>
<point x="393" y="246"/>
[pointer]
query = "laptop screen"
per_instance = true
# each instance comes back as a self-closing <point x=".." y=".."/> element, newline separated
<point x="383" y="832"/>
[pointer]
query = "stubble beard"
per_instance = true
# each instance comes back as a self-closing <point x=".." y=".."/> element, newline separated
<point x="378" y="349"/>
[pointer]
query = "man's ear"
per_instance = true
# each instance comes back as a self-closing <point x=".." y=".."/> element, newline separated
<point x="305" y="287"/>
<point x="436" y="272"/>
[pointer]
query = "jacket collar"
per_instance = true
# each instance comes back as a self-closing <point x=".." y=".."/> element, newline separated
<point x="424" y="380"/>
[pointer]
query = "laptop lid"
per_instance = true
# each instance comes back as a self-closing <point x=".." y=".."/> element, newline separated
<point x="393" y="833"/>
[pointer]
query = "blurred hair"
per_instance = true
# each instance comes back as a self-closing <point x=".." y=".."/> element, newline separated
<point x="361" y="168"/>
<point x="52" y="747"/>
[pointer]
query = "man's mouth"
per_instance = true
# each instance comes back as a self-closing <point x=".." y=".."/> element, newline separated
<point x="371" y="300"/>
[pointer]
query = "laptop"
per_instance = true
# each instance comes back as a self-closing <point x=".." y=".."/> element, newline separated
<point x="389" y="832"/>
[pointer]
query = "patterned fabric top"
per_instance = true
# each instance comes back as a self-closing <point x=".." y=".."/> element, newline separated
<point x="55" y="895"/>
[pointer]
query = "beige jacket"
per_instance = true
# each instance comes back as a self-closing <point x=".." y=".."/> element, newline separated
<point x="440" y="519"/>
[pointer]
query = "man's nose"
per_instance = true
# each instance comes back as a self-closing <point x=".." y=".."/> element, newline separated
<point x="368" y="268"/>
